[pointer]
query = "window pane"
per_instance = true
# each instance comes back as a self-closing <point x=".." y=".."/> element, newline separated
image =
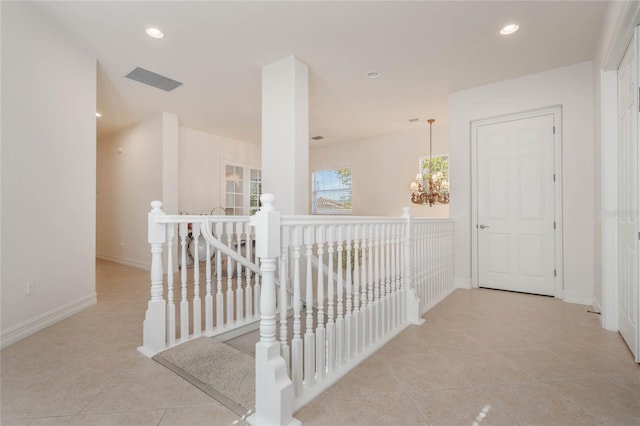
<point x="332" y="192"/>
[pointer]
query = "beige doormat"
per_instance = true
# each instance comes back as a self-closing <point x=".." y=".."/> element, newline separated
<point x="224" y="373"/>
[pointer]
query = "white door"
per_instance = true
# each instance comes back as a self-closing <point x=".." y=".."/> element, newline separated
<point x="516" y="205"/>
<point x="628" y="199"/>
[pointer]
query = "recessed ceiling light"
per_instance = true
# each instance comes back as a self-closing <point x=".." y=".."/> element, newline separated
<point x="98" y="114"/>
<point x="373" y="74"/>
<point x="509" y="29"/>
<point x="154" y="32"/>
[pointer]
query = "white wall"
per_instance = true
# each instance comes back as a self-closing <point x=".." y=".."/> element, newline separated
<point x="48" y="172"/>
<point x="383" y="168"/>
<point x="202" y="157"/>
<point x="571" y="87"/>
<point x="132" y="172"/>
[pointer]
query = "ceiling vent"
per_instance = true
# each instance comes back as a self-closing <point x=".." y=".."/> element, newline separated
<point x="317" y="138"/>
<point x="152" y="79"/>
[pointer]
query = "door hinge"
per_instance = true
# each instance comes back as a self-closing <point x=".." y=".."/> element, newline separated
<point x="555" y="273"/>
<point x="554" y="225"/>
<point x="554" y="177"/>
<point x="554" y="130"/>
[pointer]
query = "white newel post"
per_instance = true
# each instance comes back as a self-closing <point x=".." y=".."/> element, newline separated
<point x="155" y="325"/>
<point x="274" y="390"/>
<point x="412" y="301"/>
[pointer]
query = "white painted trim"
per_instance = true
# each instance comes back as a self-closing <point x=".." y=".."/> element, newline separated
<point x="124" y="261"/>
<point x="628" y="19"/>
<point x="556" y="111"/>
<point x="464" y="284"/>
<point x="609" y="158"/>
<point x="580" y="299"/>
<point x="596" y="305"/>
<point x="33" y="325"/>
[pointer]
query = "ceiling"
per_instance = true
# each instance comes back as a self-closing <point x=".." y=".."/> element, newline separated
<point x="423" y="50"/>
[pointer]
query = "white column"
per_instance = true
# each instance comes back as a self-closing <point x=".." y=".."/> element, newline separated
<point x="285" y="134"/>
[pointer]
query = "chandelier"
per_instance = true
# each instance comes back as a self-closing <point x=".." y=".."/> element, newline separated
<point x="436" y="187"/>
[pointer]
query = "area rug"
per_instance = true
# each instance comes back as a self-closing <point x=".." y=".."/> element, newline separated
<point x="222" y="372"/>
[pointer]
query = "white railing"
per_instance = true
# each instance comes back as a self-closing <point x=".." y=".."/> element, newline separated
<point x="374" y="276"/>
<point x="217" y="289"/>
<point x="347" y="284"/>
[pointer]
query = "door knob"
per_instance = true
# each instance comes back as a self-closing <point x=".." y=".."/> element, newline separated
<point x="484" y="226"/>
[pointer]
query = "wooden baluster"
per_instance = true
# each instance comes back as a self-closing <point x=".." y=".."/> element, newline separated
<point x="230" y="314"/>
<point x="387" y="279"/>
<point x="400" y="319"/>
<point x="320" y="330"/>
<point x="309" y="337"/>
<point x="239" y="289"/>
<point x="331" y="325"/>
<point x="208" y="298"/>
<point x="348" y="346"/>
<point x="171" y="307"/>
<point x="357" y="316"/>
<point x="393" y="278"/>
<point x="256" y="288"/>
<point x="248" y="291"/>
<point x="419" y="276"/>
<point x="364" y="311"/>
<point x="296" y="343"/>
<point x="219" y="294"/>
<point x="370" y="285"/>
<point x="284" y="259"/>
<point x="341" y="341"/>
<point x="377" y="308"/>
<point x="184" y="303"/>
<point x="197" y="307"/>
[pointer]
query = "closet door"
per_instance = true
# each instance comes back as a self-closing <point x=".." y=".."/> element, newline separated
<point x="628" y="198"/>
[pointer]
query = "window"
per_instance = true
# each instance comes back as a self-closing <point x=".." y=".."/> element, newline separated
<point x="440" y="166"/>
<point x="331" y="191"/>
<point x="242" y="189"/>
<point x="255" y="190"/>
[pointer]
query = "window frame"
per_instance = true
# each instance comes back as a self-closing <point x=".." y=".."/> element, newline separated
<point x="314" y="193"/>
<point x="246" y="187"/>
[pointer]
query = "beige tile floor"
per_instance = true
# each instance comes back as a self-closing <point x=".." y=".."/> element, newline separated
<point x="482" y="357"/>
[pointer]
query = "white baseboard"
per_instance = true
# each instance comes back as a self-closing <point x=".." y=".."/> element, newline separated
<point x="124" y="261"/>
<point x="33" y="325"/>
<point x="576" y="298"/>
<point x="462" y="284"/>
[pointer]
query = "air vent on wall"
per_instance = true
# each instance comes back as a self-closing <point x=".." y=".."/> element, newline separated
<point x="317" y="138"/>
<point x="152" y="79"/>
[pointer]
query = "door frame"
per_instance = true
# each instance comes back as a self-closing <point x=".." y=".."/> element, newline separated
<point x="628" y="19"/>
<point x="556" y="111"/>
